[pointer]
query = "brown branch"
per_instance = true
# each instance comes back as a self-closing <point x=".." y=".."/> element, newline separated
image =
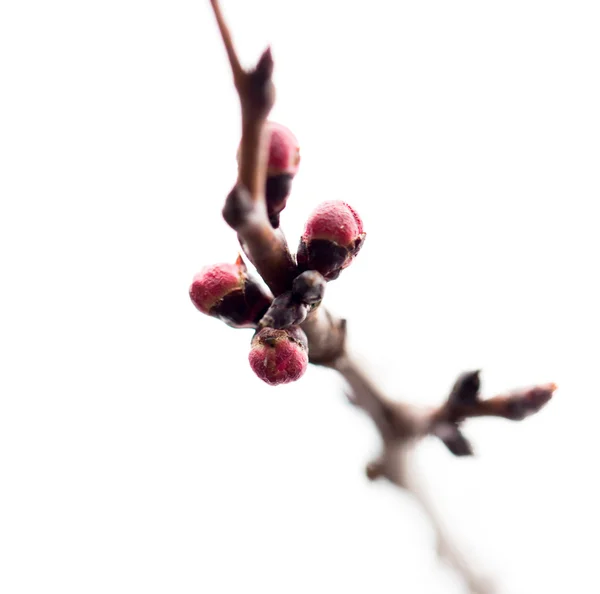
<point x="393" y="465"/>
<point x="464" y="403"/>
<point x="394" y="421"/>
<point x="514" y="406"/>
<point x="245" y="209"/>
<point x="447" y="549"/>
<point x="326" y="337"/>
<point x="400" y="425"/>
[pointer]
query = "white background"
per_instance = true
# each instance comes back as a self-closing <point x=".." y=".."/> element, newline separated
<point x="138" y="453"/>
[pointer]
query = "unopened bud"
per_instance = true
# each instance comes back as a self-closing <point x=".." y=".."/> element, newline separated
<point x="284" y="151"/>
<point x="332" y="237"/>
<point x="284" y="160"/>
<point x="227" y="292"/>
<point x="279" y="356"/>
<point x="282" y="166"/>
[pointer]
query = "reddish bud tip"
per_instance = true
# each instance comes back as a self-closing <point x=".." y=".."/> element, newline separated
<point x="279" y="356"/>
<point x="334" y="221"/>
<point x="332" y="237"/>
<point x="282" y="165"/>
<point x="227" y="292"/>
<point x="214" y="282"/>
<point x="284" y="151"/>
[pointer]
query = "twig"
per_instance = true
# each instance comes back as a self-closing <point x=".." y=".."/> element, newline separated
<point x="400" y="425"/>
<point x="446" y="547"/>
<point x="245" y="210"/>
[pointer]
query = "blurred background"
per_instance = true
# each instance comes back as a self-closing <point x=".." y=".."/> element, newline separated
<point x="138" y="452"/>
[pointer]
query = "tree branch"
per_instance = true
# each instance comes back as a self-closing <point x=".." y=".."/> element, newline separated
<point x="245" y="209"/>
<point x="400" y="426"/>
<point x="447" y="549"/>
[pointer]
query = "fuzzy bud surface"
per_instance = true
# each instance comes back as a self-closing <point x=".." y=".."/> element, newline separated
<point x="279" y="356"/>
<point x="332" y="238"/>
<point x="284" y="150"/>
<point x="227" y="292"/>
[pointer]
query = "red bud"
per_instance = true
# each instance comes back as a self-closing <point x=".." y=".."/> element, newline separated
<point x="227" y="292"/>
<point x="284" y="151"/>
<point x="332" y="237"/>
<point x="334" y="221"/>
<point x="279" y="356"/>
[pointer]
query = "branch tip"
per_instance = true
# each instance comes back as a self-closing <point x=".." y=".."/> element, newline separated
<point x="234" y="61"/>
<point x="265" y="63"/>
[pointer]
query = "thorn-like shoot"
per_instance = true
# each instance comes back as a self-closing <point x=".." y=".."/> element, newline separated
<point x="466" y="388"/>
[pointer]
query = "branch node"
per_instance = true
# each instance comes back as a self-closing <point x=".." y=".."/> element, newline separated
<point x="238" y="207"/>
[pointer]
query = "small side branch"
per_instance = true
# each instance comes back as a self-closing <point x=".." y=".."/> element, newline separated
<point x="401" y="427"/>
<point x="464" y="402"/>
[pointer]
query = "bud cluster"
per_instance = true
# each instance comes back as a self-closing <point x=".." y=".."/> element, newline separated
<point x="332" y="237"/>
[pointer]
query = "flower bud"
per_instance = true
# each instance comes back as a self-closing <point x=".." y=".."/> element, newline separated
<point x="284" y="151"/>
<point x="227" y="292"/>
<point x="284" y="160"/>
<point x="332" y="237"/>
<point x="277" y="190"/>
<point x="279" y="356"/>
<point x="282" y="166"/>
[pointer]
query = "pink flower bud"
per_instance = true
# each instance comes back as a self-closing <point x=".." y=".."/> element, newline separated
<point x="282" y="166"/>
<point x="279" y="356"/>
<point x="332" y="237"/>
<point x="284" y="151"/>
<point x="227" y="292"/>
<point x="213" y="283"/>
<point x="335" y="221"/>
